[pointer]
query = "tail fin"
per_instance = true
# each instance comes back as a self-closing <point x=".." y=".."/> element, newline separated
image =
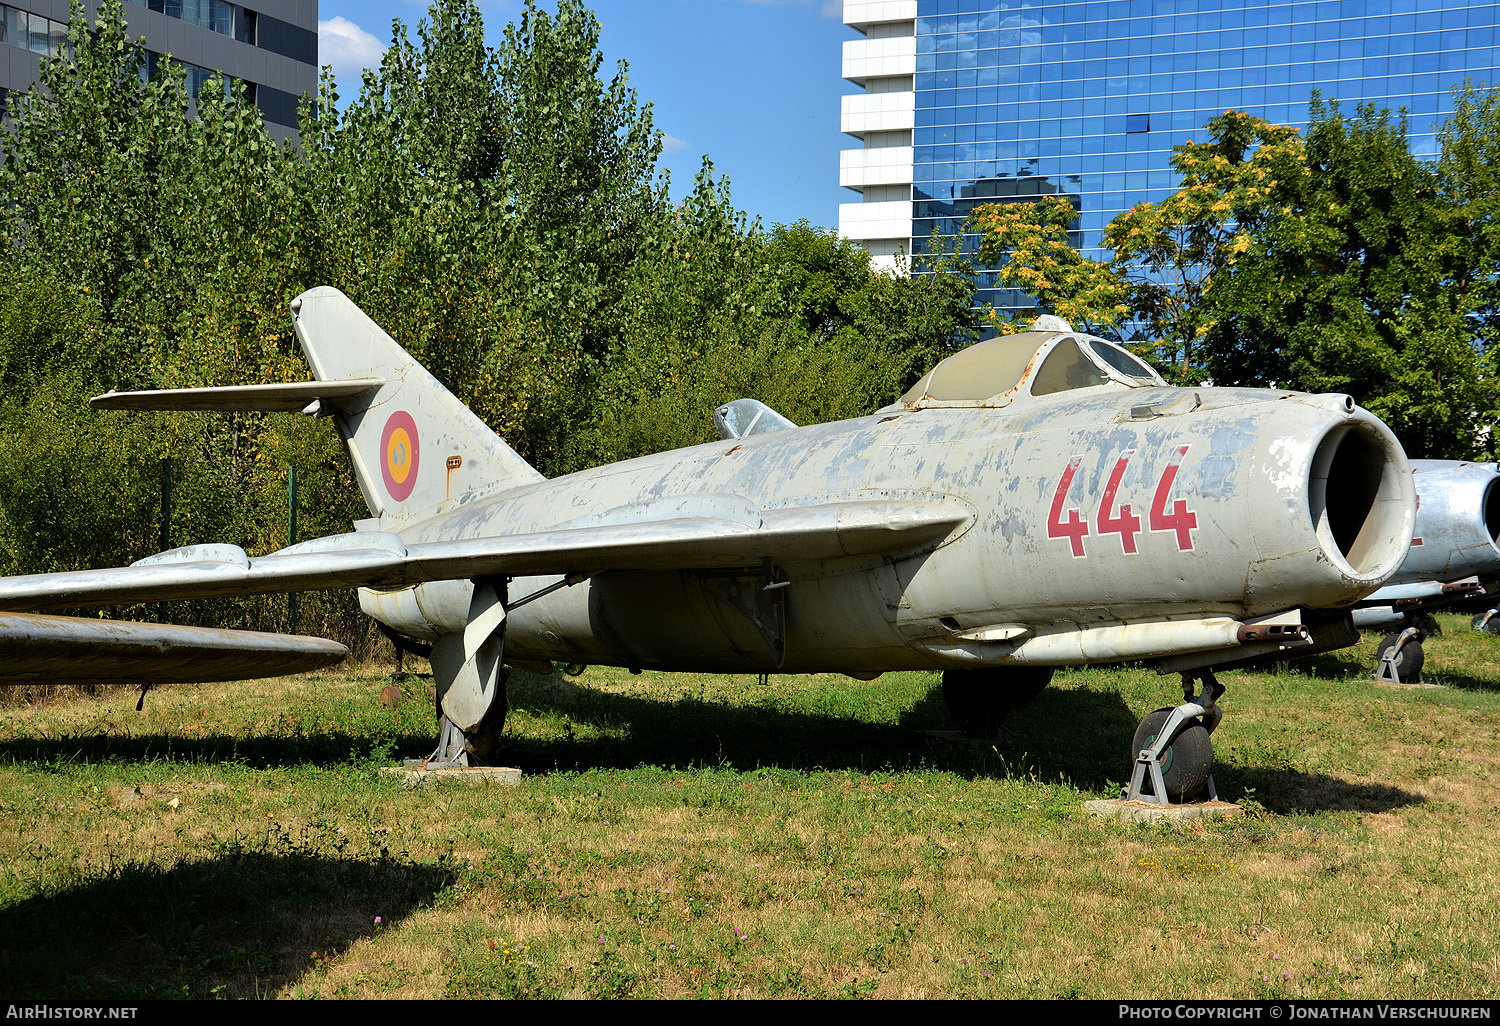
<point x="415" y="447"/>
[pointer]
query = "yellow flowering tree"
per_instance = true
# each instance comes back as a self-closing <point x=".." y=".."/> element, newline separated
<point x="1176" y="253"/>
<point x="1032" y="245"/>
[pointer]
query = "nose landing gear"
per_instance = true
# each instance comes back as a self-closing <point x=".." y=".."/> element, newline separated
<point x="1401" y="657"/>
<point x="1173" y="754"/>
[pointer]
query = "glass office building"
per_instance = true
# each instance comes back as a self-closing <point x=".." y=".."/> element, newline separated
<point x="1017" y="98"/>
<point x="269" y="45"/>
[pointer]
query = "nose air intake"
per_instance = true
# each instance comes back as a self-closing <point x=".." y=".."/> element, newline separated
<point x="1492" y="510"/>
<point x="1359" y="498"/>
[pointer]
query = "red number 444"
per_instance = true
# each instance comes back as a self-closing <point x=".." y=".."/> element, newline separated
<point x="1121" y="520"/>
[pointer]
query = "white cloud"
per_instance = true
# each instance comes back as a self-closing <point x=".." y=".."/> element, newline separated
<point x="349" y="48"/>
<point x="671" y="144"/>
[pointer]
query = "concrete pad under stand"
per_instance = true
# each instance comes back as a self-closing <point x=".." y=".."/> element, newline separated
<point x="419" y="775"/>
<point x="1151" y="812"/>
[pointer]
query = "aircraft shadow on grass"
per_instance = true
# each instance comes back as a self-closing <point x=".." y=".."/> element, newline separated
<point x="1043" y="742"/>
<point x="239" y="925"/>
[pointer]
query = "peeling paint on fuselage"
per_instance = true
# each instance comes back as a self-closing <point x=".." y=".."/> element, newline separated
<point x="864" y="614"/>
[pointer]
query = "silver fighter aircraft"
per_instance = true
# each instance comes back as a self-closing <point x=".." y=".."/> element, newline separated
<point x="1454" y="557"/>
<point x="1036" y="500"/>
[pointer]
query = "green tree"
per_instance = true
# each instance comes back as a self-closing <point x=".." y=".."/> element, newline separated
<point x="90" y="149"/>
<point x="1349" y="285"/>
<point x="1469" y="186"/>
<point x="1177" y="253"/>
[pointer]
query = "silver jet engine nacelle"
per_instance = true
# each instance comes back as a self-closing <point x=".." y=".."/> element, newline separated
<point x="1454" y="554"/>
<point x="1458" y="522"/>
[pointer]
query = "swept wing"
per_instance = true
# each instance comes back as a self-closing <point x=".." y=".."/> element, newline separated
<point x="379" y="559"/>
<point x="68" y="650"/>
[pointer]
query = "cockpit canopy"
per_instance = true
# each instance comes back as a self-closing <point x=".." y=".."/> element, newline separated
<point x="996" y="371"/>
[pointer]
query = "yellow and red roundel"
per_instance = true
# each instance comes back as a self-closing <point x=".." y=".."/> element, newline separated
<point x="401" y="454"/>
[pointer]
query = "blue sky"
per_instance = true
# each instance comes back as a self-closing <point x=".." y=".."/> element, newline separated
<point x="754" y="84"/>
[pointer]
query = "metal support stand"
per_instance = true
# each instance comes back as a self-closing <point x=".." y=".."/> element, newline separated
<point x="451" y="752"/>
<point x="1386" y="672"/>
<point x="1148" y="760"/>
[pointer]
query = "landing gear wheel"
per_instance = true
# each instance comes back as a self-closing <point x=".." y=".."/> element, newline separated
<point x="980" y="700"/>
<point x="1409" y="659"/>
<point x="482" y="741"/>
<point x="1187" y="761"/>
<point x="1487" y="621"/>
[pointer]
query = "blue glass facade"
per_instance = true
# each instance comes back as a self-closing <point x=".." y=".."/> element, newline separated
<point x="1017" y="98"/>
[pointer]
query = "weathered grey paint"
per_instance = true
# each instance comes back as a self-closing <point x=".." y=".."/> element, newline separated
<point x="1458" y="521"/>
<point x="932" y="534"/>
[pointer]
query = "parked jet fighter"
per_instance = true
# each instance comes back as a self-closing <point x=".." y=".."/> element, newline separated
<point x="1036" y="500"/>
<point x="1454" y="557"/>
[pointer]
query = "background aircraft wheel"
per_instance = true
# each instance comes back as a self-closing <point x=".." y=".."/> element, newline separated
<point x="1187" y="761"/>
<point x="482" y="741"/>
<point x="1408" y="661"/>
<point x="980" y="700"/>
<point x="1488" y="621"/>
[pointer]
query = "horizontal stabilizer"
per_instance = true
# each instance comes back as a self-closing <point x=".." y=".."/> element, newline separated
<point x="65" y="650"/>
<point x="380" y="560"/>
<point x="290" y="397"/>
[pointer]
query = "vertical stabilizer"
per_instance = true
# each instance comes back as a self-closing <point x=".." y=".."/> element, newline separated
<point x="415" y="447"/>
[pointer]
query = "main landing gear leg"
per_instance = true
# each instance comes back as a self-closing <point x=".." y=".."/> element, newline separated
<point x="1174" y="757"/>
<point x="471" y="678"/>
<point x="471" y="675"/>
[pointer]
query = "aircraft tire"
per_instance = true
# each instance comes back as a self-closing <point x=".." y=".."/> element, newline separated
<point x="1187" y="761"/>
<point x="980" y="700"/>
<point x="1488" y="621"/>
<point x="1408" y="661"/>
<point x="483" y="740"/>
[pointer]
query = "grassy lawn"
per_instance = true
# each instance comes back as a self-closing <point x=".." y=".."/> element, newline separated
<point x="680" y="836"/>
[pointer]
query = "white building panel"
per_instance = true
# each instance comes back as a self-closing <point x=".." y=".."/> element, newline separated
<point x="883" y="255"/>
<point x="877" y="112"/>
<point x="866" y="221"/>
<point x="859" y="13"/>
<point x="877" y="58"/>
<point x="883" y="165"/>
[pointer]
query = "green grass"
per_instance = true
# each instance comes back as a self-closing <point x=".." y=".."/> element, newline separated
<point x="704" y="836"/>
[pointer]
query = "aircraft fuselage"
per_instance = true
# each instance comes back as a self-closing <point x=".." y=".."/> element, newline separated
<point x="1083" y="516"/>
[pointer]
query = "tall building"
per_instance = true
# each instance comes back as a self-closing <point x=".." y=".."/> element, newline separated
<point x="270" y="45"/>
<point x="1001" y="100"/>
